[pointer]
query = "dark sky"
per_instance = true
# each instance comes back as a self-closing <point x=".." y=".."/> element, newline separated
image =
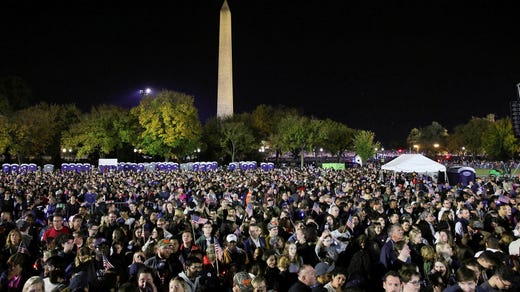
<point x="384" y="66"/>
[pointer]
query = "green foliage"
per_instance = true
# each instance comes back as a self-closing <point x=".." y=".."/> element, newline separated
<point x="499" y="140"/>
<point x="469" y="136"/>
<point x="335" y="137"/>
<point x="297" y="134"/>
<point x="364" y="145"/>
<point x="236" y="138"/>
<point x="101" y="131"/>
<point x="170" y="125"/>
<point x="427" y="136"/>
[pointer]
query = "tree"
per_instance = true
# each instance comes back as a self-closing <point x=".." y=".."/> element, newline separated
<point x="265" y="120"/>
<point x="296" y="134"/>
<point x="499" y="140"/>
<point x="15" y="94"/>
<point x="34" y="131"/>
<point x="101" y="131"/>
<point x="170" y="126"/>
<point x="335" y="137"/>
<point x="469" y="136"/>
<point x="236" y="138"/>
<point x="364" y="145"/>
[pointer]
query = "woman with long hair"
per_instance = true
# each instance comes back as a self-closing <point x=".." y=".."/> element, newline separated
<point x="296" y="261"/>
<point x="12" y="243"/>
<point x="15" y="276"/>
<point x="156" y="236"/>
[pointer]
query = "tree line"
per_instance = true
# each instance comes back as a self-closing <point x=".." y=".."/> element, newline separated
<point x="166" y="126"/>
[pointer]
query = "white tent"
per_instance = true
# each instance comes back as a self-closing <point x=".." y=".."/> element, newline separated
<point x="414" y="163"/>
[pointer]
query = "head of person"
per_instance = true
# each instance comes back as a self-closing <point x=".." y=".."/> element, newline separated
<point x="466" y="278"/>
<point x="440" y="266"/>
<point x="503" y="278"/>
<point x="323" y="271"/>
<point x="254" y="231"/>
<point x="411" y="280"/>
<point x="145" y="278"/>
<point x="242" y="282"/>
<point x="57" y="221"/>
<point x="307" y="275"/>
<point x="187" y="238"/>
<point x="13" y="238"/>
<point x="16" y="263"/>
<point x="339" y="278"/>
<point x="193" y="266"/>
<point x="178" y="284"/>
<point x="392" y="282"/>
<point x="231" y="240"/>
<point x="396" y="232"/>
<point x="164" y="248"/>
<point x="34" y="284"/>
<point x="207" y="228"/>
<point x="259" y="284"/>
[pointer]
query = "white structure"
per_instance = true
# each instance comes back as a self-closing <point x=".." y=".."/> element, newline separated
<point x="225" y="65"/>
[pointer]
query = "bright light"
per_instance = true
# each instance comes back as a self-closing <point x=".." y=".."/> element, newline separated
<point x="146" y="91"/>
<point x="436" y="145"/>
<point x="64" y="150"/>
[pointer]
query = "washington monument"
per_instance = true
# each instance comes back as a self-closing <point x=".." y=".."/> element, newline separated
<point x="225" y="65"/>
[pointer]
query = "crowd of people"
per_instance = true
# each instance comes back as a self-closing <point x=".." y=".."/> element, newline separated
<point x="311" y="229"/>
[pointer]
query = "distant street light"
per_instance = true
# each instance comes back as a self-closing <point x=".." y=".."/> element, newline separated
<point x="145" y="92"/>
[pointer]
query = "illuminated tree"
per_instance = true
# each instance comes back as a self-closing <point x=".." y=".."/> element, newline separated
<point x="364" y="144"/>
<point x="101" y="131"/>
<point x="170" y="125"/>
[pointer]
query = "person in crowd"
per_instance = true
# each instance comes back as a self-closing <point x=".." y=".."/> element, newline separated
<point x="306" y="280"/>
<point x="466" y="281"/>
<point x="57" y="228"/>
<point x="392" y="282"/>
<point x="389" y="255"/>
<point x="34" y="284"/>
<point x="337" y="281"/>
<point x="411" y="280"/>
<point x="503" y="279"/>
<point x="191" y="273"/>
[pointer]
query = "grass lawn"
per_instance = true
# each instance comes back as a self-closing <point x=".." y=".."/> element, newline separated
<point x="481" y="172"/>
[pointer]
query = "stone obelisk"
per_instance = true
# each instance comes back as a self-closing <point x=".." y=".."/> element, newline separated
<point x="225" y="65"/>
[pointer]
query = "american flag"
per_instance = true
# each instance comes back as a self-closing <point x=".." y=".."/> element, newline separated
<point x="503" y="199"/>
<point x="218" y="251"/>
<point x="249" y="210"/>
<point x="350" y="223"/>
<point x="22" y="248"/>
<point x="316" y="208"/>
<point x="106" y="264"/>
<point x="198" y="220"/>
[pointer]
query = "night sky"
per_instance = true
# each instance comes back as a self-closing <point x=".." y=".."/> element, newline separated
<point x="384" y="66"/>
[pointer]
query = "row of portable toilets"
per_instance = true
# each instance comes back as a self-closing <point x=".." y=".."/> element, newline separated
<point x="137" y="167"/>
<point x="19" y="168"/>
<point x="247" y="165"/>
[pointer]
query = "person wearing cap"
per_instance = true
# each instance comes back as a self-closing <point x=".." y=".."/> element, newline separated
<point x="272" y="227"/>
<point x="242" y="282"/>
<point x="323" y="272"/>
<point x="233" y="255"/>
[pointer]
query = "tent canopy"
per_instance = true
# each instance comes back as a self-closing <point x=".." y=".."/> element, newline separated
<point x="414" y="163"/>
